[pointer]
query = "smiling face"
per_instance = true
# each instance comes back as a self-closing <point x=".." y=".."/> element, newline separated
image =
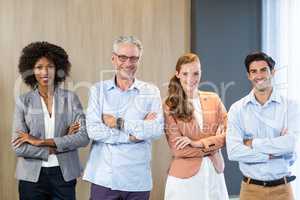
<point x="189" y="76"/>
<point x="126" y="60"/>
<point x="44" y="72"/>
<point x="260" y="75"/>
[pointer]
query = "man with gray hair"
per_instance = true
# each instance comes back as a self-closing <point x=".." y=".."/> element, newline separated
<point x="124" y="115"/>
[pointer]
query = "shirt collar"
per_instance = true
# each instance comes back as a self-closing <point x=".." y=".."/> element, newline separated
<point x="137" y="84"/>
<point x="111" y="84"/>
<point x="275" y="97"/>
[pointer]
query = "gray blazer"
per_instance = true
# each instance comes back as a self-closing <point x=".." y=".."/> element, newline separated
<point x="29" y="117"/>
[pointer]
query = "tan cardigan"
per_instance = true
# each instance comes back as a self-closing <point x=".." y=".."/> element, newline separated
<point x="186" y="162"/>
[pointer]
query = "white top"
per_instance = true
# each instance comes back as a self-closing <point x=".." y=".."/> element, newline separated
<point x="49" y="133"/>
<point x="198" y="111"/>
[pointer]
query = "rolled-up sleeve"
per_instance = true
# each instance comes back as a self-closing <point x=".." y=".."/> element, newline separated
<point x="148" y="129"/>
<point x="96" y="129"/>
<point x="236" y="149"/>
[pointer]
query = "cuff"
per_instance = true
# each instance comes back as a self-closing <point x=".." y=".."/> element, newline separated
<point x="59" y="144"/>
<point x="120" y="136"/>
<point x="256" y="143"/>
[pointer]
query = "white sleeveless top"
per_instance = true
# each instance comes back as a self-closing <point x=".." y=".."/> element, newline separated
<point x="49" y="133"/>
<point x="198" y="111"/>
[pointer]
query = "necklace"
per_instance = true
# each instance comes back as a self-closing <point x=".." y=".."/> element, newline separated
<point x="43" y="95"/>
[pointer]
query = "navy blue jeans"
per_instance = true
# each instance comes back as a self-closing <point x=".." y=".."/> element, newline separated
<point x="50" y="186"/>
<point x="103" y="193"/>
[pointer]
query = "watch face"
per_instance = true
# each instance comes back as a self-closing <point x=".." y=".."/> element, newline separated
<point x="119" y="123"/>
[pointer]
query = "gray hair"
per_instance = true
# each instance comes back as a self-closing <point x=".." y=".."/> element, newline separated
<point x="129" y="40"/>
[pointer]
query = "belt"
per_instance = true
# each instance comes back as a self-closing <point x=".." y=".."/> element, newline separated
<point x="273" y="183"/>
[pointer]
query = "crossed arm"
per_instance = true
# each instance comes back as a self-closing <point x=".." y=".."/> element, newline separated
<point x="26" y="144"/>
<point x="209" y="145"/>
<point x="102" y="126"/>
<point x="256" y="150"/>
<point x="25" y="137"/>
<point x="183" y="147"/>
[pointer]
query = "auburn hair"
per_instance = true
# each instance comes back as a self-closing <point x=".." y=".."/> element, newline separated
<point x="177" y="100"/>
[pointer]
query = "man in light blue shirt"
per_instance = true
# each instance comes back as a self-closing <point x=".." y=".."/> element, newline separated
<point x="124" y="116"/>
<point x="262" y="132"/>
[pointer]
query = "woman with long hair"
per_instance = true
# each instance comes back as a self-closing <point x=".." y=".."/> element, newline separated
<point x="195" y="125"/>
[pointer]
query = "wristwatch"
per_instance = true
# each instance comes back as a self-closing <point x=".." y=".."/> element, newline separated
<point x="120" y="123"/>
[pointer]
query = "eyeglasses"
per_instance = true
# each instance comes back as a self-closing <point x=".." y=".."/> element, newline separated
<point x="124" y="58"/>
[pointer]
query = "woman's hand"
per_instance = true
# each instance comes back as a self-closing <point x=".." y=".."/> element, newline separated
<point x="181" y="142"/>
<point x="52" y="150"/>
<point x="202" y="143"/>
<point x="26" y="138"/>
<point x="214" y="153"/>
<point x="221" y="130"/>
<point x="73" y="128"/>
<point x="217" y="158"/>
<point x="207" y="144"/>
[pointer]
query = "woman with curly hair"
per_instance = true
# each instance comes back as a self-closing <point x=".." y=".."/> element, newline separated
<point x="195" y="124"/>
<point x="48" y="127"/>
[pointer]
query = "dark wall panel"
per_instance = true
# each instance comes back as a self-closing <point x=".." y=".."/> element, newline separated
<point x="223" y="33"/>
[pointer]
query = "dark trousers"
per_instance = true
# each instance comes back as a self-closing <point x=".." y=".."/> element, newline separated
<point x="103" y="193"/>
<point x="50" y="186"/>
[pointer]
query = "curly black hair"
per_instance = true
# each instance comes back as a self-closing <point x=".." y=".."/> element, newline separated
<point x="37" y="50"/>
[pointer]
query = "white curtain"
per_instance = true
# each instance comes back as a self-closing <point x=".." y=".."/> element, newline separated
<point x="281" y="40"/>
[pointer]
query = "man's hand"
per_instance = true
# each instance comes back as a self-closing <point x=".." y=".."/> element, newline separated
<point x="109" y="120"/>
<point x="284" y="131"/>
<point x="151" y="116"/>
<point x="248" y="142"/>
<point x="73" y="128"/>
<point x="134" y="139"/>
<point x="26" y="138"/>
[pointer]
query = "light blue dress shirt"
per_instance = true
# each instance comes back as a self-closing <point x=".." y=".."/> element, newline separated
<point x="116" y="162"/>
<point x="264" y="124"/>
